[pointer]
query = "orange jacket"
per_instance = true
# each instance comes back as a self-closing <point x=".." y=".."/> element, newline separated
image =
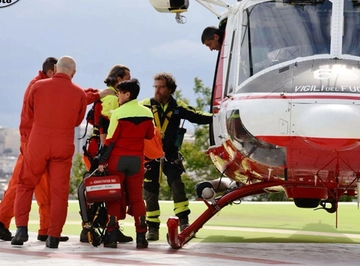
<point x="92" y="95"/>
<point x="25" y="127"/>
<point x="55" y="94"/>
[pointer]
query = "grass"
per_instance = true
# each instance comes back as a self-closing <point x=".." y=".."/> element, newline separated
<point x="248" y="222"/>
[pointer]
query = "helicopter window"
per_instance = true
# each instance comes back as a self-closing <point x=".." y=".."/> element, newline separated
<point x="351" y="28"/>
<point x="275" y="32"/>
<point x="251" y="147"/>
<point x="231" y="74"/>
<point x="235" y="127"/>
<point x="245" y="71"/>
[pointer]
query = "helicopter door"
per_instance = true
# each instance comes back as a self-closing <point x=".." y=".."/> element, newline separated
<point x="217" y="92"/>
<point x="217" y="96"/>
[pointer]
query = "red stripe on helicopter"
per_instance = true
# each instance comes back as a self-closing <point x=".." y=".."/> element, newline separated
<point x="290" y="96"/>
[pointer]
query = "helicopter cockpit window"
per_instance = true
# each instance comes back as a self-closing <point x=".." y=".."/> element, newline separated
<point x="351" y="27"/>
<point x="277" y="31"/>
<point x="250" y="146"/>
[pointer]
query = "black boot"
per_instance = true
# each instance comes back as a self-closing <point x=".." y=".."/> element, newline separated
<point x="141" y="241"/>
<point x="121" y="238"/>
<point x="153" y="231"/>
<point x="152" y="206"/>
<point x="110" y="240"/>
<point x="111" y="235"/>
<point x="43" y="238"/>
<point x="184" y="223"/>
<point x="21" y="236"/>
<point x="52" y="242"/>
<point x="5" y="234"/>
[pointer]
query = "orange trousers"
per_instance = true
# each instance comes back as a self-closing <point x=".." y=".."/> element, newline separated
<point x="47" y="151"/>
<point x="41" y="194"/>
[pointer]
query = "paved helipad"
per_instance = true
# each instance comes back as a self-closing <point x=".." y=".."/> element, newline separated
<point x="159" y="253"/>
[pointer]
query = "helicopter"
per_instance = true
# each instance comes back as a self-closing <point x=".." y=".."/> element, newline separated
<point x="286" y="103"/>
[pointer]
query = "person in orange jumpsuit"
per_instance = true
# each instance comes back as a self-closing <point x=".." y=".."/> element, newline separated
<point x="50" y="147"/>
<point x="42" y="189"/>
<point x="123" y="151"/>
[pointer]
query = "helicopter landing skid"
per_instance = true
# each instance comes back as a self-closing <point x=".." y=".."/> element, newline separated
<point x="176" y="240"/>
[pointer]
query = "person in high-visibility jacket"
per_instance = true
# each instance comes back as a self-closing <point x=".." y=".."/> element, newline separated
<point x="123" y="152"/>
<point x="168" y="113"/>
<point x="109" y="103"/>
<point x="117" y="74"/>
<point x="50" y="147"/>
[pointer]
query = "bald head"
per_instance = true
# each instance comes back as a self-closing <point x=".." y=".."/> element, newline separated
<point x="66" y="65"/>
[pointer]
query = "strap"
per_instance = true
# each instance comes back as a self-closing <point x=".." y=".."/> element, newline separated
<point x="87" y="123"/>
<point x="162" y="128"/>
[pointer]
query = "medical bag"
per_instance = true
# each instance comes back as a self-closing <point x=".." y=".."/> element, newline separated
<point x="102" y="187"/>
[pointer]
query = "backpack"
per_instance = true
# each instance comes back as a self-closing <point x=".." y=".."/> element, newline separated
<point x="92" y="144"/>
<point x="91" y="150"/>
<point x="92" y="116"/>
<point x="153" y="147"/>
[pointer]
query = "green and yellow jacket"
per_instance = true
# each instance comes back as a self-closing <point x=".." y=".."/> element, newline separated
<point x="168" y="117"/>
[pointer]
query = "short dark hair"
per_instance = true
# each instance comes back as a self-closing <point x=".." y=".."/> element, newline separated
<point x="170" y="80"/>
<point x="208" y="33"/>
<point x="131" y="85"/>
<point x="115" y="71"/>
<point x="49" y="64"/>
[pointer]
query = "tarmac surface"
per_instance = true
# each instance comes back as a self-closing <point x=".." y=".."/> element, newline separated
<point x="73" y="253"/>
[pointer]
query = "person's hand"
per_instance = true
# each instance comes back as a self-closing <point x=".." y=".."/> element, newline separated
<point x="106" y="92"/>
<point x="101" y="168"/>
<point x="91" y="90"/>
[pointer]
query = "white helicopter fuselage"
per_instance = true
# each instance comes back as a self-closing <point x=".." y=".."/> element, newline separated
<point x="286" y="104"/>
<point x="287" y="95"/>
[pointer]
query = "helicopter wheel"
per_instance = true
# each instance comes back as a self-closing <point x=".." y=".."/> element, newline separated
<point x="307" y="202"/>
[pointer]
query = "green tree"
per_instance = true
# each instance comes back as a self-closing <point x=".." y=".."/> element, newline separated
<point x="196" y="159"/>
<point x="77" y="172"/>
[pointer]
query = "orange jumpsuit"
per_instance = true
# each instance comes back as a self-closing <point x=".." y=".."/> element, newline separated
<point x="42" y="189"/>
<point x="56" y="106"/>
